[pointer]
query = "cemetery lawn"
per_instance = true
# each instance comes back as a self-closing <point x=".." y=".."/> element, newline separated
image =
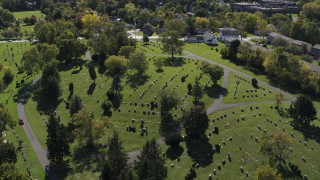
<point x="205" y="51"/>
<point x="250" y="157"/>
<point x="245" y="92"/>
<point x="6" y="51"/>
<point x="153" y="48"/>
<point x="93" y="95"/>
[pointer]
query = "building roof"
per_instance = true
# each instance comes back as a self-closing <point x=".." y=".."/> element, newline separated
<point x="317" y="46"/>
<point x="230" y="39"/>
<point x="300" y="43"/>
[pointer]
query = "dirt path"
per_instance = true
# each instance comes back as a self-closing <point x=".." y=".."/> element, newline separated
<point x="40" y="151"/>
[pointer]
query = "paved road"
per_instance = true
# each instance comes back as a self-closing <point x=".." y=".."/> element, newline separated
<point x="40" y="151"/>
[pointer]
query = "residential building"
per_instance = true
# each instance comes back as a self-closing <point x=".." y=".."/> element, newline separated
<point x="194" y="39"/>
<point x="226" y="33"/>
<point x="202" y="30"/>
<point x="315" y="51"/>
<point x="210" y="39"/>
<point x="228" y="41"/>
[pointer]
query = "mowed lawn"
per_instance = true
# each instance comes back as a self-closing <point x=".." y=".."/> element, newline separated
<point x="236" y="134"/>
<point x="122" y="117"/>
<point x="23" y="14"/>
<point x="240" y="89"/>
<point x="11" y="54"/>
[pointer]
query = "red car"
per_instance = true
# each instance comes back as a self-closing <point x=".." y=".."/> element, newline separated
<point x="21" y="122"/>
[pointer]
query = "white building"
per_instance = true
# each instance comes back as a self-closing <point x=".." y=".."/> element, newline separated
<point x="225" y="33"/>
<point x="210" y="39"/>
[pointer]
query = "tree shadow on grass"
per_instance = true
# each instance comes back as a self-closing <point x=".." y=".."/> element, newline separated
<point x="309" y="132"/>
<point x="136" y="80"/>
<point x="91" y="88"/>
<point x="200" y="150"/>
<point x="175" y="62"/>
<point x="215" y="90"/>
<point x="174" y="153"/>
<point x="116" y="100"/>
<point x="291" y="172"/>
<point x="45" y="105"/>
<point x="85" y="158"/>
<point x="168" y="126"/>
<point x="57" y="172"/>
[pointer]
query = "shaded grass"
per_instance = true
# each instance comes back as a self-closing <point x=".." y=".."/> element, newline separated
<point x="250" y="157"/>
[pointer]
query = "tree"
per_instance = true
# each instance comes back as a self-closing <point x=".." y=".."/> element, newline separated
<point x="138" y="62"/>
<point x="170" y="39"/>
<point x="7" y="77"/>
<point x="276" y="147"/>
<point x="215" y="72"/>
<point x="303" y="111"/>
<point x="267" y="173"/>
<point x="126" y="51"/>
<point x="195" y="121"/>
<point x="233" y="50"/>
<point x="189" y="88"/>
<point x="57" y="141"/>
<point x="197" y="91"/>
<point x="150" y="164"/>
<point x="75" y="105"/>
<point x="6" y="18"/>
<point x="171" y="43"/>
<point x="279" y="98"/>
<point x="31" y="60"/>
<point x="6" y="119"/>
<point x="158" y="62"/>
<point x="106" y="106"/>
<point x="117" y="158"/>
<point x="145" y="38"/>
<point x="7" y="153"/>
<point x="87" y="128"/>
<point x="167" y="102"/>
<point x="92" y="72"/>
<point x="254" y="82"/>
<point x="173" y="140"/>
<point x="8" y="171"/>
<point x="116" y="65"/>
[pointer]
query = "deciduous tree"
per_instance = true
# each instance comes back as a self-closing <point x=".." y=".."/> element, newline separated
<point x="195" y="121"/>
<point x="303" y="111"/>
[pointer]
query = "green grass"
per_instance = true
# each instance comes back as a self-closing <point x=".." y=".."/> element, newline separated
<point x="7" y="60"/>
<point x="205" y="51"/>
<point x="250" y="157"/>
<point x="132" y="141"/>
<point x="153" y="48"/>
<point x="295" y="15"/>
<point x="23" y="14"/>
<point x="245" y="91"/>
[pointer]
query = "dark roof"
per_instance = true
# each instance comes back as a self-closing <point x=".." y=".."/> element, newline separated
<point x="228" y="31"/>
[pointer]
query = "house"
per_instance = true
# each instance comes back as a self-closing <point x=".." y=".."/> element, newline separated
<point x="210" y="39"/>
<point x="160" y="30"/>
<point x="315" y="51"/>
<point x="194" y="39"/>
<point x="147" y="29"/>
<point x="226" y="33"/>
<point x="202" y="30"/>
<point x="304" y="46"/>
<point x="229" y="40"/>
<point x="272" y="36"/>
<point x="179" y="16"/>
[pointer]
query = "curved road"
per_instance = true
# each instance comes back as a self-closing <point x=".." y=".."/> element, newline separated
<point x="217" y="105"/>
<point x="40" y="151"/>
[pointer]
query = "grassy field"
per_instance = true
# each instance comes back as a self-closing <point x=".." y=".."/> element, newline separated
<point x="250" y="157"/>
<point x="245" y="92"/>
<point x="120" y="120"/>
<point x="153" y="48"/>
<point x="23" y="14"/>
<point x="11" y="54"/>
<point x="204" y="50"/>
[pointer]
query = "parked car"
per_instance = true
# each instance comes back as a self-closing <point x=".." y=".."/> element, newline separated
<point x="21" y="122"/>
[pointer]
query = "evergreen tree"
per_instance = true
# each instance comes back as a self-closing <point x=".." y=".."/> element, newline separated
<point x="197" y="91"/>
<point x="150" y="164"/>
<point x="117" y="158"/>
<point x="57" y="141"/>
<point x="75" y="105"/>
<point x="7" y="153"/>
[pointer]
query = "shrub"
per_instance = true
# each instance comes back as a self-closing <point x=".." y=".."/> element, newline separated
<point x="224" y="53"/>
<point x="173" y="140"/>
<point x="183" y="79"/>
<point x="254" y="82"/>
<point x="8" y="77"/>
